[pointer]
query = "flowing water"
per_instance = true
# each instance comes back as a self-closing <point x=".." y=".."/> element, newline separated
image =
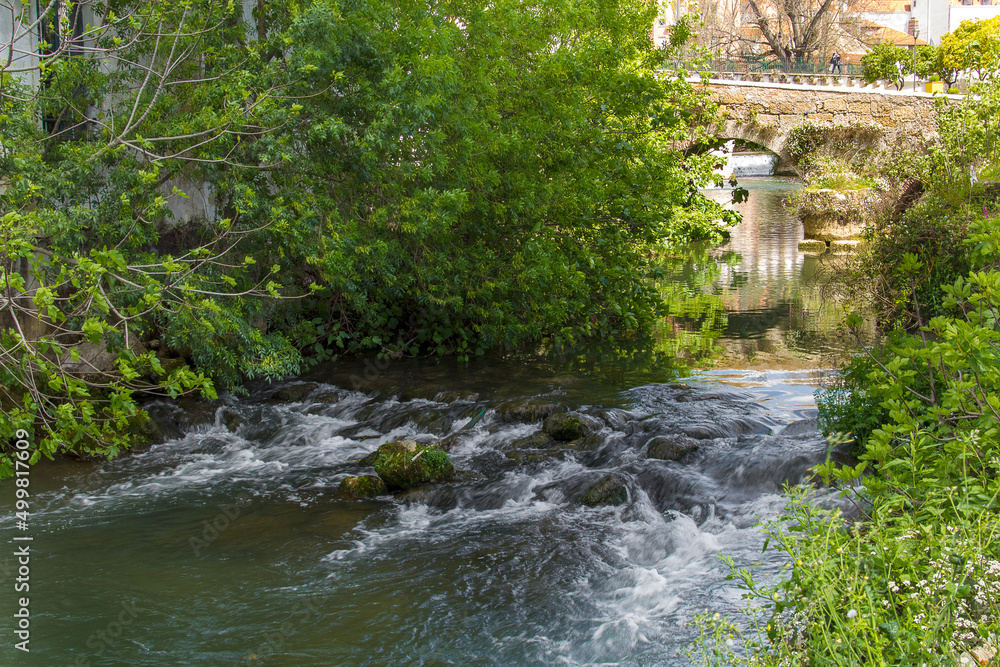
<point x="228" y="544"/>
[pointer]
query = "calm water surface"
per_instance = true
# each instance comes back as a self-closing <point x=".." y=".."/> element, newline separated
<point x="227" y="544"/>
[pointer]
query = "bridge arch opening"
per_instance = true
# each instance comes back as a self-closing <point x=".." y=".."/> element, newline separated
<point x="744" y="158"/>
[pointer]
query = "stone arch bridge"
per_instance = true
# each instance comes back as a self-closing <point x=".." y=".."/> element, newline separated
<point x="766" y="112"/>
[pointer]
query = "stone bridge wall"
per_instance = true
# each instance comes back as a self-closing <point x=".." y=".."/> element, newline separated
<point x="766" y="113"/>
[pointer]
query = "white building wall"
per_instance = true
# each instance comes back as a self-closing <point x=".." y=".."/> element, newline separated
<point x="18" y="43"/>
<point x="893" y="20"/>
<point x="971" y="13"/>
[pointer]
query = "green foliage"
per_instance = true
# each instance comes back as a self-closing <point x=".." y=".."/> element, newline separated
<point x="405" y="464"/>
<point x="887" y="62"/>
<point x="927" y="63"/>
<point x="847" y="406"/>
<point x="895" y="591"/>
<point x="92" y="266"/>
<point x="973" y="46"/>
<point x="836" y="174"/>
<point x="933" y="232"/>
<point x="440" y="231"/>
<point x="813" y="144"/>
<point x="969" y="139"/>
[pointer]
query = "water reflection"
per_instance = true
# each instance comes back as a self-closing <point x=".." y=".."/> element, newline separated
<point x="755" y="302"/>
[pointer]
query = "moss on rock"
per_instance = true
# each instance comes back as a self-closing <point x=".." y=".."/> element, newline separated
<point x="363" y="486"/>
<point x="294" y="393"/>
<point x="565" y="426"/>
<point x="405" y="464"/>
<point x="609" y="491"/>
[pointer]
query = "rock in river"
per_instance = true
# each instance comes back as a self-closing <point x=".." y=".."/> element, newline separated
<point x="294" y="393"/>
<point x="365" y="486"/>
<point x="566" y="426"/>
<point x="671" y="447"/>
<point x="609" y="491"/>
<point x="405" y="464"/>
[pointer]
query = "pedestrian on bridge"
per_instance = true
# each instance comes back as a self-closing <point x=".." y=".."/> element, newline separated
<point x="835" y="65"/>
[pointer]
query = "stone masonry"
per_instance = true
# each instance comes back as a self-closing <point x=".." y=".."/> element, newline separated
<point x="766" y="113"/>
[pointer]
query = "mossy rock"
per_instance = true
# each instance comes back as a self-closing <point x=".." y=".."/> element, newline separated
<point x="405" y="464"/>
<point x="528" y="410"/>
<point x="812" y="246"/>
<point x="566" y="426"/>
<point x="295" y="392"/>
<point x="232" y="420"/>
<point x="671" y="447"/>
<point x="143" y="431"/>
<point x="522" y="457"/>
<point x="609" y="491"/>
<point x="364" y="486"/>
<point x="590" y="442"/>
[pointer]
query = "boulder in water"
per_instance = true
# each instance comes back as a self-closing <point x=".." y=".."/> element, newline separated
<point x="566" y="426"/>
<point x="295" y="392"/>
<point x="801" y="427"/>
<point x="364" y="486"/>
<point x="232" y="420"/>
<point x="528" y="410"/>
<point x="609" y="491"/>
<point x="671" y="447"/>
<point x="405" y="464"/>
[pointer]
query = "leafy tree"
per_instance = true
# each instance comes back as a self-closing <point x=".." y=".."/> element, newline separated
<point x="887" y="61"/>
<point x="453" y="235"/>
<point x="973" y="46"/>
<point x="91" y="266"/>
<point x="424" y="176"/>
<point x="927" y="62"/>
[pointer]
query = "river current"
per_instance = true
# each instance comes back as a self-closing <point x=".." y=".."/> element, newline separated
<point x="228" y="544"/>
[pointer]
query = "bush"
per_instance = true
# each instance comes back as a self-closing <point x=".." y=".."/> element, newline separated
<point x="934" y="231"/>
<point x="847" y="406"/>
<point x="887" y="61"/>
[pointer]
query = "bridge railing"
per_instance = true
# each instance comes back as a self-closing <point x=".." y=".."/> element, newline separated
<point x="815" y="66"/>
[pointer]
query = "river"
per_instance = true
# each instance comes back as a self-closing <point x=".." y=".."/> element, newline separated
<point x="227" y="545"/>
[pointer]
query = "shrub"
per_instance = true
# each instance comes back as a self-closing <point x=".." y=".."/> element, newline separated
<point x="847" y="406"/>
<point x="934" y="231"/>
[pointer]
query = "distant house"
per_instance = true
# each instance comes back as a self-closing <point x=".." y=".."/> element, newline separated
<point x="670" y="12"/>
<point x="934" y="17"/>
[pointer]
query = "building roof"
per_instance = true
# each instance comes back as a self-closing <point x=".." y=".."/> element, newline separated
<point x="882" y="6"/>
<point x="879" y="33"/>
